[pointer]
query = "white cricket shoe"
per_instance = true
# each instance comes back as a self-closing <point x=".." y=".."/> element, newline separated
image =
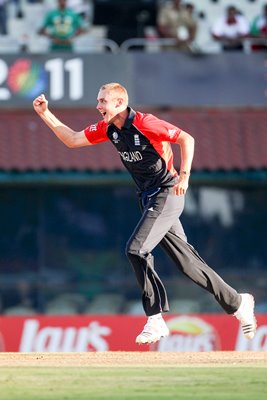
<point x="154" y="330"/>
<point x="245" y="314"/>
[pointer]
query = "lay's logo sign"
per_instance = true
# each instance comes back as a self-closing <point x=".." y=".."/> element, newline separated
<point x="188" y="334"/>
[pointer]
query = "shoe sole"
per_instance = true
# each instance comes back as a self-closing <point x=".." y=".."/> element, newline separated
<point x="147" y="341"/>
<point x="250" y="335"/>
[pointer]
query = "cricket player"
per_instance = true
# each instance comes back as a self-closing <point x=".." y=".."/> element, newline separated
<point x="143" y="143"/>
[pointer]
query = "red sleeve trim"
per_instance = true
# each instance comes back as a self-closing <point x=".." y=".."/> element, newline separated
<point x="96" y="133"/>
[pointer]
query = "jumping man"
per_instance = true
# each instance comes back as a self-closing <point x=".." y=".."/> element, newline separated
<point x="143" y="144"/>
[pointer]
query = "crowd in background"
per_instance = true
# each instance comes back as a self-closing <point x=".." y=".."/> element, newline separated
<point x="183" y="23"/>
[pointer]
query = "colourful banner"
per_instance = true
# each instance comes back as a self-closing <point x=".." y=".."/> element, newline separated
<point x="70" y="80"/>
<point x="194" y="332"/>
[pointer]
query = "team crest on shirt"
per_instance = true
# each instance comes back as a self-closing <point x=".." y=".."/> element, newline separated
<point x="136" y="140"/>
<point x="115" y="137"/>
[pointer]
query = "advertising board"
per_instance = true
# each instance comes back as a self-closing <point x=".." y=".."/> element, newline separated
<point x="98" y="333"/>
<point x="73" y="80"/>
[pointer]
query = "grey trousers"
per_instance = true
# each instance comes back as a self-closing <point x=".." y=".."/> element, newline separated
<point x="160" y="224"/>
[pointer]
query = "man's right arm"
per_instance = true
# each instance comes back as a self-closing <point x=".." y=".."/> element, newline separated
<point x="64" y="133"/>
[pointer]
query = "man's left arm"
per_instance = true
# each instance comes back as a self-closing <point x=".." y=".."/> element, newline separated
<point x="187" y="145"/>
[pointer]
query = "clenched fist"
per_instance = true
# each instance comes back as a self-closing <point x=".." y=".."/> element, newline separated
<point x="40" y="104"/>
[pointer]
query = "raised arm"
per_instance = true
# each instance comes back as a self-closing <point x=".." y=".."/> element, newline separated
<point x="187" y="144"/>
<point x="67" y="135"/>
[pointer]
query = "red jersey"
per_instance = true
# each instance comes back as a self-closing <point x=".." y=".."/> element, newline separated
<point x="143" y="144"/>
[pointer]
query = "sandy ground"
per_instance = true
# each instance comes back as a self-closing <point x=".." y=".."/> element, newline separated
<point x="104" y="359"/>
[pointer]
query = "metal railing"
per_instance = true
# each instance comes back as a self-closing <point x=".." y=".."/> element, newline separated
<point x="158" y="44"/>
<point x="97" y="44"/>
<point x="150" y="44"/>
<point x="112" y="45"/>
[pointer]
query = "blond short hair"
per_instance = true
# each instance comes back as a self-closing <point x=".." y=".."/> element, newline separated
<point x="118" y="88"/>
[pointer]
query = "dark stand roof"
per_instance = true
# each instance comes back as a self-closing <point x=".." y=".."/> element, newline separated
<point x="228" y="139"/>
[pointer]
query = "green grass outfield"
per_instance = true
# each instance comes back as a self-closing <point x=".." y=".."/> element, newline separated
<point x="209" y="380"/>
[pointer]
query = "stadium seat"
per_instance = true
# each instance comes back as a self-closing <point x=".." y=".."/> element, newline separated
<point x="38" y="44"/>
<point x="92" y="41"/>
<point x="109" y="303"/>
<point x="184" y="306"/>
<point x="19" y="310"/>
<point x="66" y="303"/>
<point x="9" y="44"/>
<point x="134" y="307"/>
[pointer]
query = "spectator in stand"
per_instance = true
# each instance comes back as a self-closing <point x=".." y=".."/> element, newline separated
<point x="3" y="17"/>
<point x="258" y="30"/>
<point x="61" y="26"/>
<point x="231" y="29"/>
<point x="176" y="20"/>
